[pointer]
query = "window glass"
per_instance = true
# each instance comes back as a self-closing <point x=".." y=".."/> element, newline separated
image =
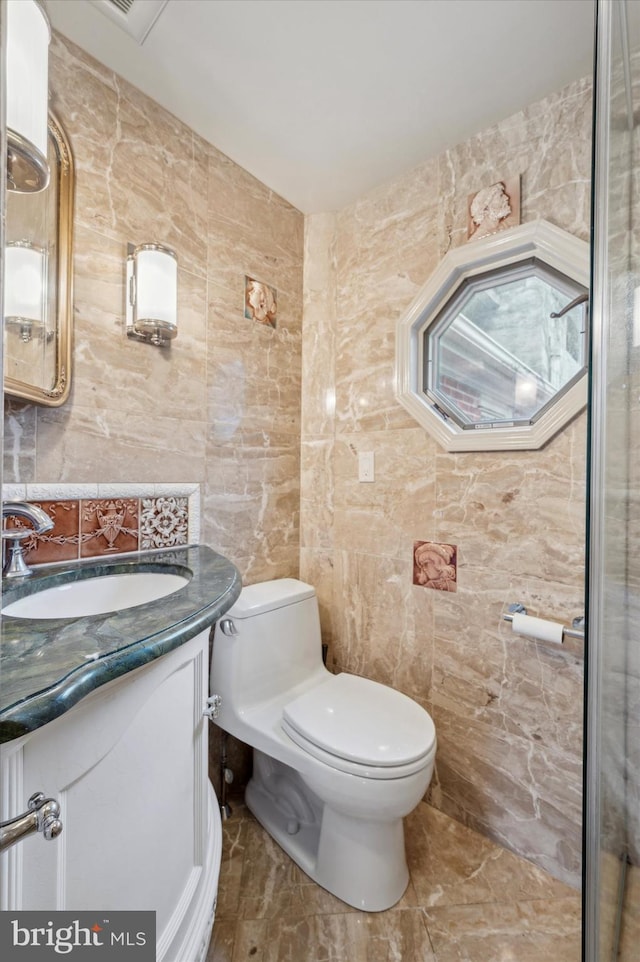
<point x="495" y="353"/>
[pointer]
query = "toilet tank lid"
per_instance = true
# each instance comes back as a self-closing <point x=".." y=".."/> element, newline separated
<point x="268" y="595"/>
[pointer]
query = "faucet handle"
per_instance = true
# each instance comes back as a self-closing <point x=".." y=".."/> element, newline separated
<point x="16" y="566"/>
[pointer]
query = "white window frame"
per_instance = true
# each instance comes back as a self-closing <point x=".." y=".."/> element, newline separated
<point x="550" y="244"/>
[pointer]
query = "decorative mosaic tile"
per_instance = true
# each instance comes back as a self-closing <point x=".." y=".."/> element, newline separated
<point x="59" y="544"/>
<point x="164" y="522"/>
<point x="435" y="565"/>
<point x="108" y="526"/>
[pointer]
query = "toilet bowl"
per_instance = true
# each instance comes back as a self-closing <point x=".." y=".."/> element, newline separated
<point x="339" y="760"/>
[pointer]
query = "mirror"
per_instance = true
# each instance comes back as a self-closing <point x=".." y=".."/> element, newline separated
<point x="492" y="354"/>
<point x="38" y="323"/>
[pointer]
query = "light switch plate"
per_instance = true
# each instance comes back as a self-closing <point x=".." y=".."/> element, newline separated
<point x="365" y="466"/>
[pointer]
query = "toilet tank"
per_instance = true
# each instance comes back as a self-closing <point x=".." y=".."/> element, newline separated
<point x="274" y="645"/>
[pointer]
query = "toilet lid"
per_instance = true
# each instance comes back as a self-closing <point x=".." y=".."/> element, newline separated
<point x="362" y="721"/>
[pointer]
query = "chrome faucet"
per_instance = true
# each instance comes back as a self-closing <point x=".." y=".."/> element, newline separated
<point x="16" y="566"/>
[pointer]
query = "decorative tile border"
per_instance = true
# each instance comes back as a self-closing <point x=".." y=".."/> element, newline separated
<point x="93" y="520"/>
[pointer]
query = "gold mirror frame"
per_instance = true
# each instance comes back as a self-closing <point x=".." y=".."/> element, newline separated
<point x="60" y="286"/>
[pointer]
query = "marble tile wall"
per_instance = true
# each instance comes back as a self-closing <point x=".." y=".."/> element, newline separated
<point x="508" y="711"/>
<point x="221" y="406"/>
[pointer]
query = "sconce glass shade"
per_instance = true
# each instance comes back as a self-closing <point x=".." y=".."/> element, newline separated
<point x="27" y="93"/>
<point x="25" y="289"/>
<point x="152" y="302"/>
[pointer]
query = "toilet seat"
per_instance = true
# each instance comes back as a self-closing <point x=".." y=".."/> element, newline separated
<point x="361" y="727"/>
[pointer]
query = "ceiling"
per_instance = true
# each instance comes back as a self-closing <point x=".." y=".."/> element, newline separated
<point x="324" y="99"/>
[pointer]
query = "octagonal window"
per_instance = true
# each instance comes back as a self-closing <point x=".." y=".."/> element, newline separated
<point x="505" y="346"/>
<point x="492" y="353"/>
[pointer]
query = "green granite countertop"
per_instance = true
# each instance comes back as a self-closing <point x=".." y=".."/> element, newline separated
<point x="48" y="665"/>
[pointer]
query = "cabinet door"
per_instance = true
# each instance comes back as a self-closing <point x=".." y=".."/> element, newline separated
<point x="128" y="766"/>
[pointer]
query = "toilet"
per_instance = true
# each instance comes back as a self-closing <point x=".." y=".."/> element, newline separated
<point x="338" y="760"/>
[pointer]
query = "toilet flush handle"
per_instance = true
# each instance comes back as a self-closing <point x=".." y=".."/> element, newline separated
<point x="227" y="627"/>
<point x="212" y="706"/>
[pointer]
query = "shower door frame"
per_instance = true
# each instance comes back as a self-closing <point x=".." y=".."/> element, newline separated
<point x="610" y="19"/>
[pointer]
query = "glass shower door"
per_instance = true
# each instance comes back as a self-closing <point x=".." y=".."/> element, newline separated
<point x="612" y="812"/>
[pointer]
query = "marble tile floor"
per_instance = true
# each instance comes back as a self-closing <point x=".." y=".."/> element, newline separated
<point x="468" y="900"/>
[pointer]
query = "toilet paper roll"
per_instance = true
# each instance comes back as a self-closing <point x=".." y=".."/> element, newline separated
<point x="537" y="628"/>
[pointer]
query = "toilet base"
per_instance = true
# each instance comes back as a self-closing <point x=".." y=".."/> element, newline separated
<point x="360" y="861"/>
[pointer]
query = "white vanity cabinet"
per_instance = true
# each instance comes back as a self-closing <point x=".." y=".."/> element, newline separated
<point x="141" y="826"/>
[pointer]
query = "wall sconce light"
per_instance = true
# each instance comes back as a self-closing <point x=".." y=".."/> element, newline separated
<point x="27" y="96"/>
<point x="25" y="289"/>
<point x="152" y="293"/>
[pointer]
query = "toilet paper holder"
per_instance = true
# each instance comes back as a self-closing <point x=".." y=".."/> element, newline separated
<point x="575" y="630"/>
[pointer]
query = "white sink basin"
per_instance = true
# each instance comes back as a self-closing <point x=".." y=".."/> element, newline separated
<point x="96" y="596"/>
